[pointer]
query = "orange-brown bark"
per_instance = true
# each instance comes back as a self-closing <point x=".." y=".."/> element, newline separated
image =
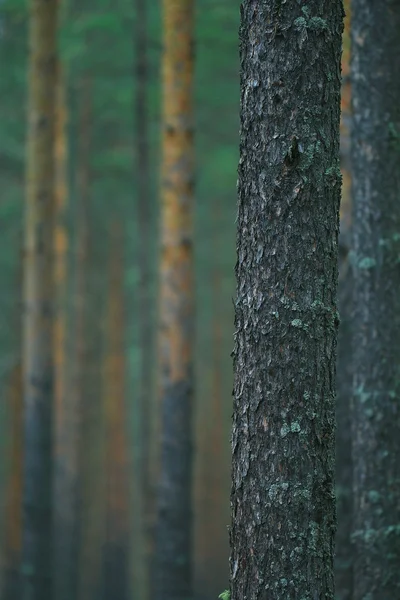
<point x="174" y="544"/>
<point x="176" y="285"/>
<point x="38" y="294"/>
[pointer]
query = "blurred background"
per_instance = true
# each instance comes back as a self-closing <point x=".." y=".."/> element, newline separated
<point x="108" y="157"/>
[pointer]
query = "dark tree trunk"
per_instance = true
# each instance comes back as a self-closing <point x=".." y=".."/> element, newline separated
<point x="173" y="555"/>
<point x="283" y="509"/>
<point x="38" y="361"/>
<point x="376" y="245"/>
<point x="116" y="546"/>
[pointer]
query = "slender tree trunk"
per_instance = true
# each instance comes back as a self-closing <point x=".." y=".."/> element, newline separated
<point x="144" y="321"/>
<point x="12" y="526"/>
<point x="344" y="550"/>
<point x="87" y="400"/>
<point x="173" y="576"/>
<point x="117" y="513"/>
<point x="376" y="238"/>
<point x="81" y="353"/>
<point x="283" y="510"/>
<point x="66" y="455"/>
<point x="38" y="298"/>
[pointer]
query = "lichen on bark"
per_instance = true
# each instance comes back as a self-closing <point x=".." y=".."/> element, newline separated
<point x="283" y="509"/>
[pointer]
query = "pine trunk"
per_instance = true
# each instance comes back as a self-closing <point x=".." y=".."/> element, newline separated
<point x="173" y="560"/>
<point x="38" y="299"/>
<point x="144" y="255"/>
<point x="88" y="315"/>
<point x="344" y="548"/>
<point x="283" y="509"/>
<point x="376" y="238"/>
<point x="81" y="353"/>
<point x="66" y="466"/>
<point x="117" y="513"/>
<point x="12" y="536"/>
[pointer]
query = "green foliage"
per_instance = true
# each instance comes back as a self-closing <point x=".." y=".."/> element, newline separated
<point x="226" y="595"/>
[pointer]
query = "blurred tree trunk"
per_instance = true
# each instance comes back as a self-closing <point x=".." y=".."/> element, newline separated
<point x="173" y="560"/>
<point x="88" y="317"/>
<point x="66" y="422"/>
<point x="117" y="512"/>
<point x="81" y="355"/>
<point x="376" y="239"/>
<point x="344" y="549"/>
<point x="283" y="510"/>
<point x="144" y="321"/>
<point x="218" y="513"/>
<point x="12" y="536"/>
<point x="38" y="299"/>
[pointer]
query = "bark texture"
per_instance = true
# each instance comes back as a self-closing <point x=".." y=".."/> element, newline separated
<point x="38" y="300"/>
<point x="173" y="561"/>
<point x="283" y="510"/>
<point x="376" y="239"/>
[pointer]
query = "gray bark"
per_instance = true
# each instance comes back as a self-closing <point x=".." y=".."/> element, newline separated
<point x="283" y="509"/>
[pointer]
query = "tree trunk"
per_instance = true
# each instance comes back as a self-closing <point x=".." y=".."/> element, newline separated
<point x="173" y="561"/>
<point x="117" y="513"/>
<point x="12" y="526"/>
<point x="376" y="236"/>
<point x="66" y="456"/>
<point x="283" y="510"/>
<point x="88" y="317"/>
<point x="344" y="550"/>
<point x="144" y="255"/>
<point x="38" y="299"/>
<point x="81" y="354"/>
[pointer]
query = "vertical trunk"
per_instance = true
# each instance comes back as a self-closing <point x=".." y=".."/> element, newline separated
<point x="144" y="305"/>
<point x="344" y="549"/>
<point x="88" y="405"/>
<point x="173" y="576"/>
<point x="283" y="512"/>
<point x="65" y="467"/>
<point x="38" y="299"/>
<point x="117" y="514"/>
<point x="12" y="526"/>
<point x="218" y="551"/>
<point x="80" y="315"/>
<point x="376" y="227"/>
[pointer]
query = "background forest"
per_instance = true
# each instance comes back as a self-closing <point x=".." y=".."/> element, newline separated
<point x="108" y="161"/>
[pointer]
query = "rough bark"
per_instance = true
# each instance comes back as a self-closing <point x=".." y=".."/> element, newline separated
<point x="376" y="236"/>
<point x="173" y="560"/>
<point x="283" y="509"/>
<point x="38" y="300"/>
<point x="65" y="440"/>
<point x="115" y="551"/>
